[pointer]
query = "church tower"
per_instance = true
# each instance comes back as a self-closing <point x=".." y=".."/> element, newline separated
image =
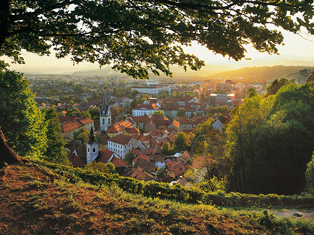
<point x="91" y="147"/>
<point x="105" y="116"/>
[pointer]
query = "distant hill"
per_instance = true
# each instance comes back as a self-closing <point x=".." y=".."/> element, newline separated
<point x="177" y="71"/>
<point x="265" y="72"/>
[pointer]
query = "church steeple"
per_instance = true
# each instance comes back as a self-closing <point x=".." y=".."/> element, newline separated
<point x="105" y="116"/>
<point x="104" y="107"/>
<point x="91" y="147"/>
<point x="92" y="137"/>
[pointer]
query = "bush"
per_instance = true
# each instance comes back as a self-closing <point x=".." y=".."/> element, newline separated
<point x="309" y="174"/>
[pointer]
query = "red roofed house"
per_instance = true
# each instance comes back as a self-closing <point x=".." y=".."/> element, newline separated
<point x="122" y="127"/>
<point x="74" y="160"/>
<point x="144" y="162"/>
<point x="198" y="120"/>
<point x="107" y="155"/>
<point x="174" y="124"/>
<point x="121" y="144"/>
<point x="175" y="168"/>
<point x="184" y="156"/>
<point x="185" y="123"/>
<point x="140" y="174"/>
<point x="69" y="124"/>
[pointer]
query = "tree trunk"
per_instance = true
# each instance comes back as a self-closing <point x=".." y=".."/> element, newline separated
<point x="7" y="155"/>
<point x="4" y="21"/>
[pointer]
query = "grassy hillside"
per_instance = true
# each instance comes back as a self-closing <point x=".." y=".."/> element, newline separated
<point x="37" y="200"/>
<point x="265" y="72"/>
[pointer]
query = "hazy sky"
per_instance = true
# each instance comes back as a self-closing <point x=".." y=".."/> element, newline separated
<point x="296" y="48"/>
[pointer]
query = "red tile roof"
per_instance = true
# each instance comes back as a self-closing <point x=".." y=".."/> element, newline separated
<point x="132" y="130"/>
<point x="175" y="123"/>
<point x="141" y="156"/>
<point x="178" y="168"/>
<point x="141" y="119"/>
<point x="121" y="139"/>
<point x="158" y="158"/>
<point x="75" y="160"/>
<point x="72" y="123"/>
<point x="105" y="155"/>
<point x="146" y="106"/>
<point x="164" y="140"/>
<point x="136" y="152"/>
<point x="183" y="120"/>
<point x="119" y="162"/>
<point x="141" y="175"/>
<point x="119" y="126"/>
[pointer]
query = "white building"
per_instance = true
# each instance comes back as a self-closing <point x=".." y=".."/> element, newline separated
<point x="153" y="90"/>
<point x="141" y="109"/>
<point x="121" y="144"/>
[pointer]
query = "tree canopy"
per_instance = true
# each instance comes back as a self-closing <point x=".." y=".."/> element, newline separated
<point x="270" y="141"/>
<point x="310" y="78"/>
<point x="181" y="112"/>
<point x="135" y="37"/>
<point x="56" y="151"/>
<point x="21" y="121"/>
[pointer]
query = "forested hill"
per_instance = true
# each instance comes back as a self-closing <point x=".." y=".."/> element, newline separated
<point x="265" y="72"/>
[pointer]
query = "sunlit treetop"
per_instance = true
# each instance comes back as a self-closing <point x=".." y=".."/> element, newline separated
<point x="135" y="37"/>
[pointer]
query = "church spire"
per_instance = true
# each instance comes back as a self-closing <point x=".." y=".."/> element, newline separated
<point x="104" y="107"/>
<point x="92" y="137"/>
<point x="105" y="116"/>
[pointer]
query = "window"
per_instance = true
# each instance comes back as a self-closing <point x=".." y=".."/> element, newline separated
<point x="88" y="150"/>
<point x="94" y="150"/>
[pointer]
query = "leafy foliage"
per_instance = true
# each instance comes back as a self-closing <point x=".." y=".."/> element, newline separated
<point x="270" y="141"/>
<point x="220" y="109"/>
<point x="98" y="167"/>
<point x="181" y="112"/>
<point x="310" y="78"/>
<point x="166" y="148"/>
<point x="81" y="135"/>
<point x="129" y="157"/>
<point x="21" y="121"/>
<point x="66" y="201"/>
<point x="310" y="176"/>
<point x="251" y="92"/>
<point x="158" y="112"/>
<point x="136" y="37"/>
<point x="161" y="173"/>
<point x="180" y="142"/>
<point x="55" y="146"/>
<point x="276" y="85"/>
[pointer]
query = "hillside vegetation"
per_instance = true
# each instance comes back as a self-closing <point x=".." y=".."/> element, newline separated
<point x="265" y="72"/>
<point x="37" y="200"/>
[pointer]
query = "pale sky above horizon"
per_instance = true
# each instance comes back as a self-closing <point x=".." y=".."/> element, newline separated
<point x="296" y="48"/>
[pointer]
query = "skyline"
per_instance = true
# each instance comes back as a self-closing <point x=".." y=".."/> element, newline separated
<point x="295" y="48"/>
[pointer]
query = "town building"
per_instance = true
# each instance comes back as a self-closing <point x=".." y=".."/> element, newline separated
<point x="142" y="109"/>
<point x="70" y="124"/>
<point x="105" y="115"/>
<point x="152" y="90"/>
<point x="221" y="99"/>
<point x="121" y="144"/>
<point x="125" y="127"/>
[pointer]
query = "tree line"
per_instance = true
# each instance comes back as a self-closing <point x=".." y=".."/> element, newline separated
<point x="267" y="145"/>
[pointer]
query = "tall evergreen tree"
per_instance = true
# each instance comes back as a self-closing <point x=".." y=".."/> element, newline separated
<point x="55" y="150"/>
<point x="21" y="121"/>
